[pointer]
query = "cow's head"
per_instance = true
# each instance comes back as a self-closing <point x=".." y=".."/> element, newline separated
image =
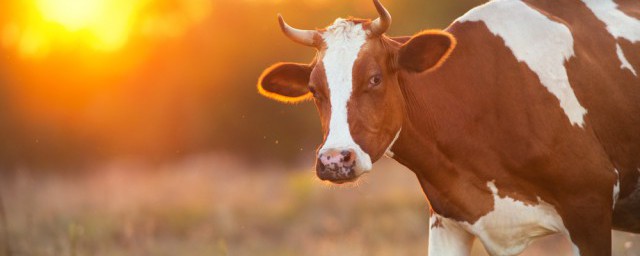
<point x="354" y="83"/>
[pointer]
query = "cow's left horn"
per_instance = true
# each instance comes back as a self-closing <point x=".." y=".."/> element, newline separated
<point x="305" y="37"/>
<point x="382" y="23"/>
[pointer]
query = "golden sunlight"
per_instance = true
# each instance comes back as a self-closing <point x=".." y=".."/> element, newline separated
<point x="40" y="27"/>
<point x="72" y="14"/>
<point x="106" y="23"/>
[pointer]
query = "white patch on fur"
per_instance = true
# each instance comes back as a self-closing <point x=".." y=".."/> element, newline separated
<point x="544" y="45"/>
<point x="388" y="152"/>
<point x="616" y="188"/>
<point x="618" y="24"/>
<point x="624" y="61"/>
<point x="448" y="238"/>
<point x="513" y="225"/>
<point x="344" y="40"/>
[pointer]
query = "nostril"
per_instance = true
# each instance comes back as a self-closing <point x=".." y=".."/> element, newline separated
<point x="346" y="154"/>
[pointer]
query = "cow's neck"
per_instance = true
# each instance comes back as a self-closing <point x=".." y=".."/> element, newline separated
<point x="415" y="146"/>
<point x="420" y="147"/>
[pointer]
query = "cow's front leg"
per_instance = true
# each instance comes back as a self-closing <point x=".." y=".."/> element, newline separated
<point x="590" y="229"/>
<point x="447" y="237"/>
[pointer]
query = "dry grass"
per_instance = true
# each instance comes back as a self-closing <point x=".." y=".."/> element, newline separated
<point x="214" y="205"/>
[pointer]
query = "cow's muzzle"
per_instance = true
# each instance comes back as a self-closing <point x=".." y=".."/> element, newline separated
<point x="337" y="165"/>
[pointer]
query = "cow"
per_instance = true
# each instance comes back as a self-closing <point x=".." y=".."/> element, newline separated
<point x="520" y="119"/>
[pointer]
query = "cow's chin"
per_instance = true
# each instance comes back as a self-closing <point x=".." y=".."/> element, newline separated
<point x="347" y="180"/>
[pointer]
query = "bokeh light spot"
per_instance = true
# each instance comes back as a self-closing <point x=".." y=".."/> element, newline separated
<point x="72" y="14"/>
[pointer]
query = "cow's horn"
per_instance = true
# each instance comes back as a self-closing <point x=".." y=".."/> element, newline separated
<point x="305" y="37"/>
<point x="382" y="23"/>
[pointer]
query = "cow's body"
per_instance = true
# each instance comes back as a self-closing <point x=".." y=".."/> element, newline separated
<point x="530" y="127"/>
<point x="484" y="120"/>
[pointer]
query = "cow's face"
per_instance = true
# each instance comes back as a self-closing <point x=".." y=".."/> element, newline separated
<point x="354" y="84"/>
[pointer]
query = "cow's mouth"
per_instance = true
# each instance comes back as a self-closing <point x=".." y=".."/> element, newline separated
<point x="338" y="173"/>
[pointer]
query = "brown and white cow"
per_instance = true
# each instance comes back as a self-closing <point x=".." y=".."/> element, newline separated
<point x="521" y="119"/>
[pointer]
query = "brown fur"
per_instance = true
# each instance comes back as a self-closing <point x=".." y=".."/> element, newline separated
<point x="629" y="7"/>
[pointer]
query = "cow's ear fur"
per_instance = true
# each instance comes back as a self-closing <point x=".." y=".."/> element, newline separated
<point x="286" y="82"/>
<point x="426" y="50"/>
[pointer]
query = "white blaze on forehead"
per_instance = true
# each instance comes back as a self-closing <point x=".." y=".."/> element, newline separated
<point x="343" y="39"/>
<point x="544" y="45"/>
<point x="619" y="25"/>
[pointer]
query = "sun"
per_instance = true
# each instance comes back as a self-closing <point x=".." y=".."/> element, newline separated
<point x="37" y="28"/>
<point x="104" y="24"/>
<point x="72" y="14"/>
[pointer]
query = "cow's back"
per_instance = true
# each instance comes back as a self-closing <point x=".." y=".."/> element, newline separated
<point x="550" y="91"/>
<point x="604" y="75"/>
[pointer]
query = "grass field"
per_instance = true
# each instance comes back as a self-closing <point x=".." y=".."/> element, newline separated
<point x="214" y="205"/>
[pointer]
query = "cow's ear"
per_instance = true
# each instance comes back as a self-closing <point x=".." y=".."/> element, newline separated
<point x="286" y="82"/>
<point x="426" y="50"/>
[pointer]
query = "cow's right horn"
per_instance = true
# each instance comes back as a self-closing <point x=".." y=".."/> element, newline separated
<point x="382" y="23"/>
<point x="305" y="37"/>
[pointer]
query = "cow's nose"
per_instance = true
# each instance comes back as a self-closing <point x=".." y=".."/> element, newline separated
<point x="339" y="157"/>
<point x="336" y="165"/>
<point x="346" y="155"/>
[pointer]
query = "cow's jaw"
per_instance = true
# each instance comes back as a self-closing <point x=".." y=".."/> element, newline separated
<point x="343" y="40"/>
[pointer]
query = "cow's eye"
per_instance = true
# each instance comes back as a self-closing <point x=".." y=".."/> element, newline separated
<point x="312" y="90"/>
<point x="375" y="80"/>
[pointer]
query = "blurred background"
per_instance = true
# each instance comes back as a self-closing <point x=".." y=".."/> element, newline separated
<point x="133" y="127"/>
